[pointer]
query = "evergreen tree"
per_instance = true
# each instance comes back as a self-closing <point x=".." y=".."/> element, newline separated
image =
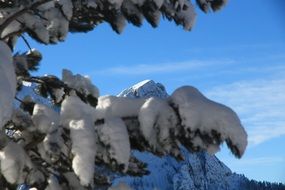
<point x="53" y="138"/>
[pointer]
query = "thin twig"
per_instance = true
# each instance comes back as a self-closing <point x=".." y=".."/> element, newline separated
<point x="18" y="99"/>
<point x="26" y="42"/>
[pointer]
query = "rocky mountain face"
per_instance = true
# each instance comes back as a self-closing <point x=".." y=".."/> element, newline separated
<point x="200" y="171"/>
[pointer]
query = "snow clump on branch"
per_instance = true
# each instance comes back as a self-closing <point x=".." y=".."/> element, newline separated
<point x="7" y="83"/>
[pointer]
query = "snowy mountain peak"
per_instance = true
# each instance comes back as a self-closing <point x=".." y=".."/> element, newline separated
<point x="146" y="88"/>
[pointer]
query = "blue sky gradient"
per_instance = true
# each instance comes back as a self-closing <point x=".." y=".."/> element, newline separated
<point x="235" y="56"/>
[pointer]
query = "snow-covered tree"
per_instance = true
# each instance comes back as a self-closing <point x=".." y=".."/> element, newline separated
<point x="54" y="138"/>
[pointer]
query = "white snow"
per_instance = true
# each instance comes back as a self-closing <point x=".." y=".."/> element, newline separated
<point x="158" y="3"/>
<point x="80" y="83"/>
<point x="113" y="134"/>
<point x="46" y="6"/>
<point x="206" y="4"/>
<point x="7" y="83"/>
<point x="145" y="89"/>
<point x="58" y="26"/>
<point x="53" y="143"/>
<point x="37" y="26"/>
<point x="120" y="23"/>
<point x="187" y="16"/>
<point x="112" y="106"/>
<point x="84" y="150"/>
<point x="53" y="28"/>
<point x="199" y="113"/>
<point x="156" y="119"/>
<point x="12" y="27"/>
<point x="13" y="160"/>
<point x="91" y="4"/>
<point x="44" y="117"/>
<point x="141" y="84"/>
<point x="77" y="116"/>
<point x="116" y="4"/>
<point x="72" y="108"/>
<point x="67" y="8"/>
<point x="59" y="94"/>
<point x="21" y="118"/>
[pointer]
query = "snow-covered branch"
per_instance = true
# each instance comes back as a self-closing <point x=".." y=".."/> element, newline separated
<point x="7" y="83"/>
<point x="19" y="13"/>
<point x="49" y="21"/>
<point x="186" y="118"/>
<point x="77" y="135"/>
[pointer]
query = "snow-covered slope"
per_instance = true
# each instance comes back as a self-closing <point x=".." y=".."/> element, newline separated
<point x="200" y="171"/>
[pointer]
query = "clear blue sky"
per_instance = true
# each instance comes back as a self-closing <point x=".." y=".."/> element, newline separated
<point x="235" y="56"/>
